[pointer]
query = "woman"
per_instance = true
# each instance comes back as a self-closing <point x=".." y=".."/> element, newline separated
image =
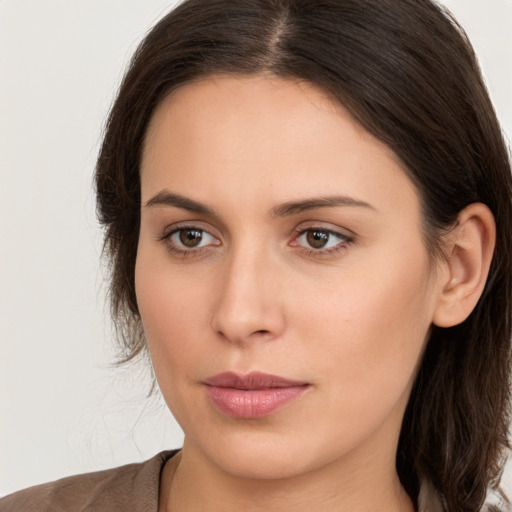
<point x="308" y="212"/>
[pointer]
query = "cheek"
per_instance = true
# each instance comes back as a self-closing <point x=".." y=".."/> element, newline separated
<point x="171" y="309"/>
<point x="371" y="334"/>
<point x="175" y="304"/>
<point x="164" y="305"/>
<point x="170" y="296"/>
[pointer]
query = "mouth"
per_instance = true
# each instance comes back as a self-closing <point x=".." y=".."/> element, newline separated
<point x="253" y="395"/>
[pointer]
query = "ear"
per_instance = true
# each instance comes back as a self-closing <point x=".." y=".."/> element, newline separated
<point x="468" y="258"/>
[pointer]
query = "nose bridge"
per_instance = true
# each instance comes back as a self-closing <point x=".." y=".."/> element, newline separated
<point x="248" y="303"/>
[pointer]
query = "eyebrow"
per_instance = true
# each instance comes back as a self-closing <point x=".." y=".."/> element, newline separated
<point x="295" y="207"/>
<point x="166" y="198"/>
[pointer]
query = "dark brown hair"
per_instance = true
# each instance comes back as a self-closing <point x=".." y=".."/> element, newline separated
<point x="406" y="71"/>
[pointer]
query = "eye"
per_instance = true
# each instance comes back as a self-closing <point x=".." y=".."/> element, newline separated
<point x="320" y="240"/>
<point x="189" y="239"/>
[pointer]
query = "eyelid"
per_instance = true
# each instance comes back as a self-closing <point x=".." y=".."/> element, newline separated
<point x="180" y="250"/>
<point x="346" y="237"/>
<point x="325" y="226"/>
<point x="204" y="238"/>
<point x="188" y="224"/>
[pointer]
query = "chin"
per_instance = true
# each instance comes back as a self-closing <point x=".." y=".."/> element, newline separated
<point x="260" y="463"/>
<point x="263" y="456"/>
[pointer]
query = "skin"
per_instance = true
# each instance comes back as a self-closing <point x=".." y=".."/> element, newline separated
<point x="350" y="319"/>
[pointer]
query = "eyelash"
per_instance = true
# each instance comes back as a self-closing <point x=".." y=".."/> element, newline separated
<point x="166" y="238"/>
<point x="344" y="241"/>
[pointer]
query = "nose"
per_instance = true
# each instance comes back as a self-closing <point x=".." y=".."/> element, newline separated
<point x="249" y="303"/>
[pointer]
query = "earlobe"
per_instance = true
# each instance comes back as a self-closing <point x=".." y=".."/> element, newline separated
<point x="468" y="259"/>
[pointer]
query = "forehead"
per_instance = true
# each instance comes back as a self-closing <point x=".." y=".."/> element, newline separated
<point x="268" y="135"/>
<point x="262" y="98"/>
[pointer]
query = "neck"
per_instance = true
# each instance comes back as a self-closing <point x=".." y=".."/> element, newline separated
<point x="191" y="483"/>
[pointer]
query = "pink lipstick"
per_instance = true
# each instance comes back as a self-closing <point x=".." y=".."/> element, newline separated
<point x="253" y="395"/>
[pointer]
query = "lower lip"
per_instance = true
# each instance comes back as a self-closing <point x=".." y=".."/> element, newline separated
<point x="252" y="403"/>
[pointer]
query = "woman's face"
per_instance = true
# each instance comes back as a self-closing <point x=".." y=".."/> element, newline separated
<point x="278" y="237"/>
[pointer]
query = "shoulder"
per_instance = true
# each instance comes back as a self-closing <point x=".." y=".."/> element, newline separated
<point x="134" y="486"/>
<point x="499" y="499"/>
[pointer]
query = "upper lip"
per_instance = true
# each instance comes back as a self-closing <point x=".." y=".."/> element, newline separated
<point x="253" y="380"/>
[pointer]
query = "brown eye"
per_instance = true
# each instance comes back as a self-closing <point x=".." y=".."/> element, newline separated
<point x="322" y="240"/>
<point x="190" y="237"/>
<point x="189" y="240"/>
<point x="317" y="239"/>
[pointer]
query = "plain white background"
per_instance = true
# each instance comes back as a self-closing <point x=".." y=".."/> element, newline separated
<point x="63" y="408"/>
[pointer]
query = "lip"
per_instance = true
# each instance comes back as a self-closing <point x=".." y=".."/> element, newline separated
<point x="253" y="395"/>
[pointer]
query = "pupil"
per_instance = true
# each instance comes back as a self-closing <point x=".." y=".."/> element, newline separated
<point x="317" y="239"/>
<point x="190" y="237"/>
